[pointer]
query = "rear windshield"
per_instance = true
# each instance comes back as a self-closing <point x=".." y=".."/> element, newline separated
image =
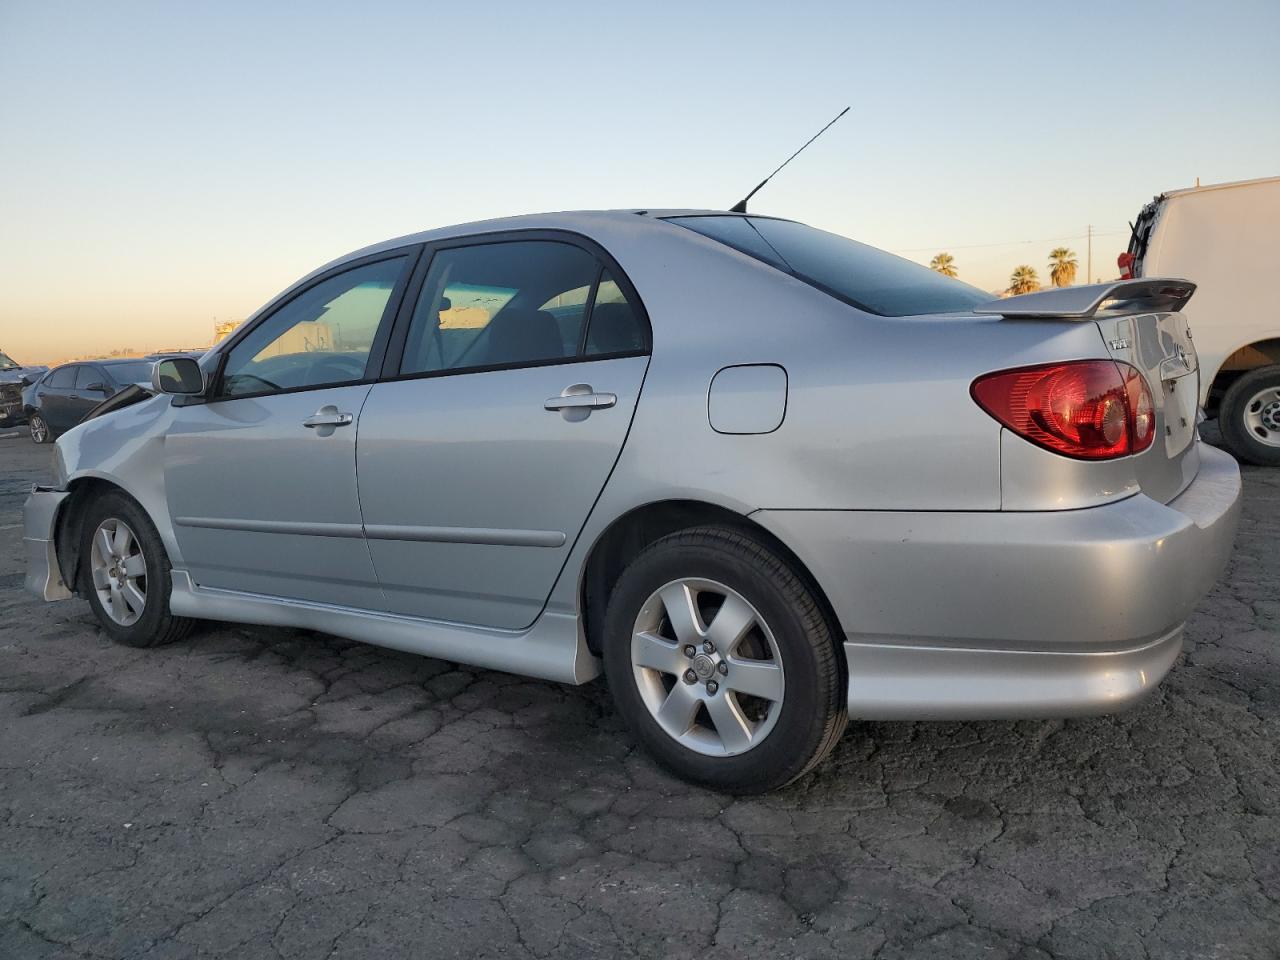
<point x="130" y="372"/>
<point x="863" y="276"/>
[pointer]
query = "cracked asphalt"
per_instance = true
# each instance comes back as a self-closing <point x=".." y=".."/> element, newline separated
<point x="257" y="792"/>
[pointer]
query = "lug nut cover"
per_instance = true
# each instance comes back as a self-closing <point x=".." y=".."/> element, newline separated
<point x="712" y="686"/>
<point x="690" y="676"/>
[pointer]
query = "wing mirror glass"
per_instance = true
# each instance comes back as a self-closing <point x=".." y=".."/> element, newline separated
<point x="180" y="376"/>
<point x="97" y="387"/>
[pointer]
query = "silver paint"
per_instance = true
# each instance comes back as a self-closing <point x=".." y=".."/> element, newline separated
<point x="927" y="526"/>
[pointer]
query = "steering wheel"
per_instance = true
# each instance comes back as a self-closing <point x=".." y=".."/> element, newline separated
<point x="336" y="369"/>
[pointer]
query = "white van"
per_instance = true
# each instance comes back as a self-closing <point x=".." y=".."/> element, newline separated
<point x="1223" y="237"/>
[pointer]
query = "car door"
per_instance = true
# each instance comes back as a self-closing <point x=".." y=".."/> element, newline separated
<point x="260" y="478"/>
<point x="91" y="388"/>
<point x="506" y="400"/>
<point x="55" y="398"/>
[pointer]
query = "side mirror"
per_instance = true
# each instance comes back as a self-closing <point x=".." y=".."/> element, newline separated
<point x="98" y="387"/>
<point x="28" y="379"/>
<point x="180" y="376"/>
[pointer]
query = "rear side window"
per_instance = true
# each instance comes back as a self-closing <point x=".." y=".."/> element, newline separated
<point x="516" y="303"/>
<point x="88" y="375"/>
<point x="869" y="279"/>
<point x="64" y="378"/>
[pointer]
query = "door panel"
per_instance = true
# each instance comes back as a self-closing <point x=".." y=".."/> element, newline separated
<point x="264" y="504"/>
<point x="473" y="492"/>
<point x="55" y="399"/>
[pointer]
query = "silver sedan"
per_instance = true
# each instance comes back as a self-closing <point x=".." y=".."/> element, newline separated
<point x="763" y="477"/>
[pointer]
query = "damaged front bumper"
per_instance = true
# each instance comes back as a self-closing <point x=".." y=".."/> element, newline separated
<point x="39" y="529"/>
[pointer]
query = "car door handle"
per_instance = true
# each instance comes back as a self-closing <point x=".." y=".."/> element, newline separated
<point x="588" y="400"/>
<point x="327" y="419"/>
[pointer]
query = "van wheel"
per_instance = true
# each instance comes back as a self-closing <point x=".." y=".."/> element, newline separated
<point x="1250" y="417"/>
<point x="722" y="662"/>
<point x="39" y="429"/>
<point x="126" y="575"/>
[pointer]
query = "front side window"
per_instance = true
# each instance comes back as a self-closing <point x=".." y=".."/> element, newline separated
<point x="870" y="279"/>
<point x="515" y="303"/>
<point x="322" y="337"/>
<point x="64" y="378"/>
<point x="6" y="363"/>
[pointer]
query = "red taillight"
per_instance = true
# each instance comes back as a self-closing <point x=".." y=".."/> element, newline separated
<point x="1125" y="263"/>
<point x="1089" y="409"/>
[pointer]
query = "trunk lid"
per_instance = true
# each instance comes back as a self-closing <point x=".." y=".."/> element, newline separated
<point x="1141" y="324"/>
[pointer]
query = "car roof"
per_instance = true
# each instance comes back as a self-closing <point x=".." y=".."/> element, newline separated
<point x="561" y="220"/>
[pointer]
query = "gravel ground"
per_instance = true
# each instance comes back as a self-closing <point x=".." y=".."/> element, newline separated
<point x="261" y="792"/>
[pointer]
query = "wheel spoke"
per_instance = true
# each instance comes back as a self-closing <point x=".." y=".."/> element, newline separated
<point x="733" y="728"/>
<point x="100" y="578"/>
<point x="103" y="542"/>
<point x="133" y="597"/>
<point x="118" y="611"/>
<point x="678" y="710"/>
<point x="758" y="678"/>
<point x="135" y="566"/>
<point x="123" y="539"/>
<point x="657" y="654"/>
<point x="731" y="622"/>
<point x="682" y="612"/>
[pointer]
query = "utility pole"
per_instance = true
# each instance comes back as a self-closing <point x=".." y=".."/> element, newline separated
<point x="1088" y="276"/>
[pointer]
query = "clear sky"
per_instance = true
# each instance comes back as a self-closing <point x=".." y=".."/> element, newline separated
<point x="163" y="164"/>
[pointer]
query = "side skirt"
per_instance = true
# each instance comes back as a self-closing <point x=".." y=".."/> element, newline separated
<point x="554" y="648"/>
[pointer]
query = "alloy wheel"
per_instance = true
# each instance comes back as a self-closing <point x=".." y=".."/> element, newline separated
<point x="39" y="430"/>
<point x="119" y="571"/>
<point x="707" y="667"/>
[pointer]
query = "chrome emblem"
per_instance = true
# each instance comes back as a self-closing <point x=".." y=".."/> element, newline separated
<point x="704" y="667"/>
<point x="1121" y="344"/>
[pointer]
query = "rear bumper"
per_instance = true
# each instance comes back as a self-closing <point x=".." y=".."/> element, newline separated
<point x="39" y="520"/>
<point x="969" y="615"/>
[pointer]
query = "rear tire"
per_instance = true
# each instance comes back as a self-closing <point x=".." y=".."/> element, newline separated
<point x="40" y="432"/>
<point x="1249" y="417"/>
<point x="125" y="574"/>
<point x="693" y="711"/>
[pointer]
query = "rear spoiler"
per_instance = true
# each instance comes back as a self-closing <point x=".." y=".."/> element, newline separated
<point x="1154" y="293"/>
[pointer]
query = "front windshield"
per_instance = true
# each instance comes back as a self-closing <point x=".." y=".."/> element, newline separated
<point x="6" y="363"/>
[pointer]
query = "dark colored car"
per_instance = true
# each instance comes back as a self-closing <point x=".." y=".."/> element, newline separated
<point x="14" y="378"/>
<point x="60" y="399"/>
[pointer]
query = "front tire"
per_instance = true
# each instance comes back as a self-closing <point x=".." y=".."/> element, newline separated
<point x="40" y="432"/>
<point x="722" y="662"/>
<point x="125" y="574"/>
<point x="1249" y="417"/>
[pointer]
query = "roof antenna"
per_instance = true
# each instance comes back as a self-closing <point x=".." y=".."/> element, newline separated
<point x="741" y="205"/>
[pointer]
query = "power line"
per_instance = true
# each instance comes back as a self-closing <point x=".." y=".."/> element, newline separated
<point x="948" y="247"/>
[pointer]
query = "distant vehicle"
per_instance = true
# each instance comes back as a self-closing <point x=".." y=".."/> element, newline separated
<point x="14" y="378"/>
<point x="764" y="477"/>
<point x="1223" y="237"/>
<point x="59" y="400"/>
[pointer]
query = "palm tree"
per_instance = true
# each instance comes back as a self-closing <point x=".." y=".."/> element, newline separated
<point x="945" y="264"/>
<point x="1062" y="266"/>
<point x="1024" y="280"/>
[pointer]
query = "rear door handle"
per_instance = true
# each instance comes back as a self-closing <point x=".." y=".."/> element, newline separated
<point x="324" y="418"/>
<point x="579" y="399"/>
